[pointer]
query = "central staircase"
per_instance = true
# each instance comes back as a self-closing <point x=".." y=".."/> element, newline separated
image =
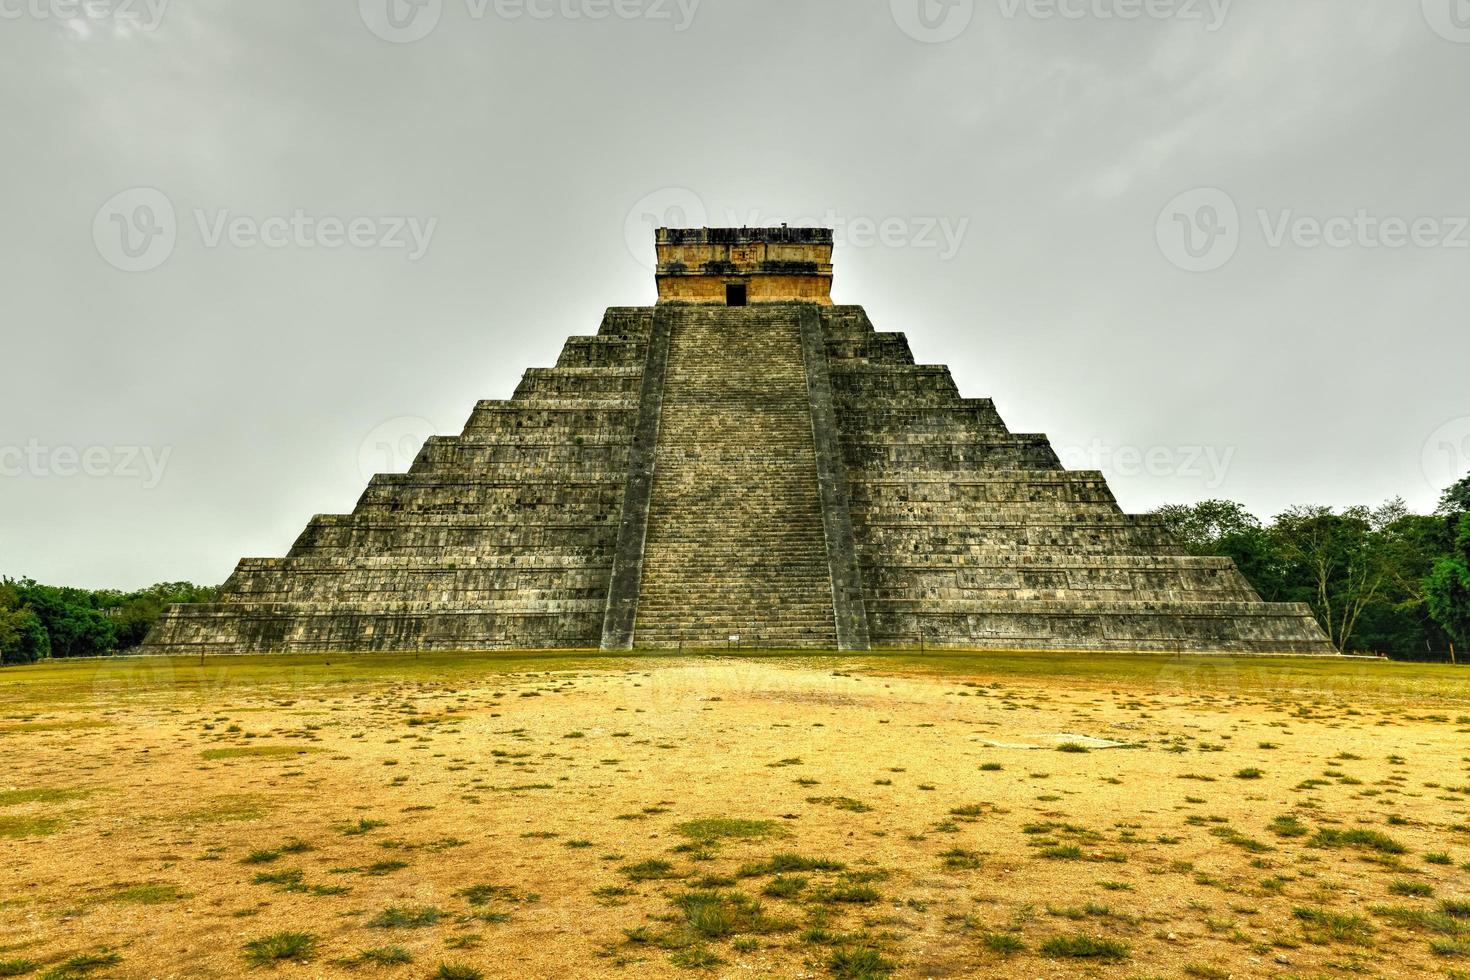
<point x="735" y="543"/>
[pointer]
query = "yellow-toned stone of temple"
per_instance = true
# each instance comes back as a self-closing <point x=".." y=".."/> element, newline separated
<point x="743" y="266"/>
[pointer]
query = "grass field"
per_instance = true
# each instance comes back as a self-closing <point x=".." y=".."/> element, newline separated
<point x="945" y="815"/>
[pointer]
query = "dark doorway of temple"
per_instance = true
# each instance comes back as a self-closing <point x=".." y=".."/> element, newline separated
<point x="735" y="294"/>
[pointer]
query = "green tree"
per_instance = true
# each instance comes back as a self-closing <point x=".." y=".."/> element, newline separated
<point x="72" y="620"/>
<point x="1403" y="628"/>
<point x="1224" y="528"/>
<point x="1447" y="590"/>
<point x="1338" y="568"/>
<point x="1363" y="571"/>
<point x="1201" y="528"/>
<point x="42" y="620"/>
<point x="23" y="639"/>
<point x="133" y="613"/>
<point x="1456" y="499"/>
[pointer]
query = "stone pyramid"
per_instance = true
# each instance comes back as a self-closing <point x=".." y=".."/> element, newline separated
<point x="747" y="460"/>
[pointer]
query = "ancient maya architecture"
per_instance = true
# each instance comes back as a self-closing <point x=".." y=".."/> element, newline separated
<point x="743" y="459"/>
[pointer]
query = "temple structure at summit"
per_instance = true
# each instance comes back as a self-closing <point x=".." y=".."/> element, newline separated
<point x="744" y="459"/>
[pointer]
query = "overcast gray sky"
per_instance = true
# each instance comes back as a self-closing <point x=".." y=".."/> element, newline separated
<point x="1214" y="249"/>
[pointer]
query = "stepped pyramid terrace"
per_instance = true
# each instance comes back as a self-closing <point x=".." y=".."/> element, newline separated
<point x="743" y="459"/>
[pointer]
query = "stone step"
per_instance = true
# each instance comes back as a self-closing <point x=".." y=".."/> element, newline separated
<point x="968" y="535"/>
<point x="735" y="538"/>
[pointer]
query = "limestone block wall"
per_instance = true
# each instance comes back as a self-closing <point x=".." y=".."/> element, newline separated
<point x="501" y="537"/>
<point x="784" y="472"/>
<point x="775" y="265"/>
<point x="972" y="536"/>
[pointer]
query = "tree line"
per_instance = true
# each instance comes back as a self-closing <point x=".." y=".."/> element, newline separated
<point x="41" y="621"/>
<point x="1380" y="580"/>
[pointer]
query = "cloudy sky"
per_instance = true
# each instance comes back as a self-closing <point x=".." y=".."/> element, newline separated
<point x="252" y="250"/>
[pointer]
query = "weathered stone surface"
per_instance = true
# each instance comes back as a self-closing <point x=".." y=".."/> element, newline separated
<point x="972" y="536"/>
<point x="781" y="472"/>
<point x="621" y="615"/>
<point x="502" y="537"/>
<point x="847" y="579"/>
<point x="736" y="545"/>
<point x="768" y="265"/>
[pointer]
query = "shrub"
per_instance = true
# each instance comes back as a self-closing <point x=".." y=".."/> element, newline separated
<point x="1323" y="927"/>
<point x="784" y="886"/>
<point x="299" y="947"/>
<point x="457" y="971"/>
<point x="651" y="870"/>
<point x="1417" y="889"/>
<point x="858" y="963"/>
<point x="1001" y="942"/>
<point x="1372" y="840"/>
<point x="1085" y="947"/>
<point x="406" y="917"/>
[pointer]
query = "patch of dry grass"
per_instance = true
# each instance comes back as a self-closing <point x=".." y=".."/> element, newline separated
<point x="864" y="817"/>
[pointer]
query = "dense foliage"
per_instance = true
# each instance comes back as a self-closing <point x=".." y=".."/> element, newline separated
<point x="38" y="621"/>
<point x="1447" y="592"/>
<point x="1380" y="580"/>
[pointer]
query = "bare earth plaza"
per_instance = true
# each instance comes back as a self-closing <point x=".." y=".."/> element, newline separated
<point x="1037" y="815"/>
<point x="736" y="644"/>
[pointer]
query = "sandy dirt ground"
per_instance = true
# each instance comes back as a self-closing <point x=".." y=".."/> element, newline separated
<point x="731" y="817"/>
